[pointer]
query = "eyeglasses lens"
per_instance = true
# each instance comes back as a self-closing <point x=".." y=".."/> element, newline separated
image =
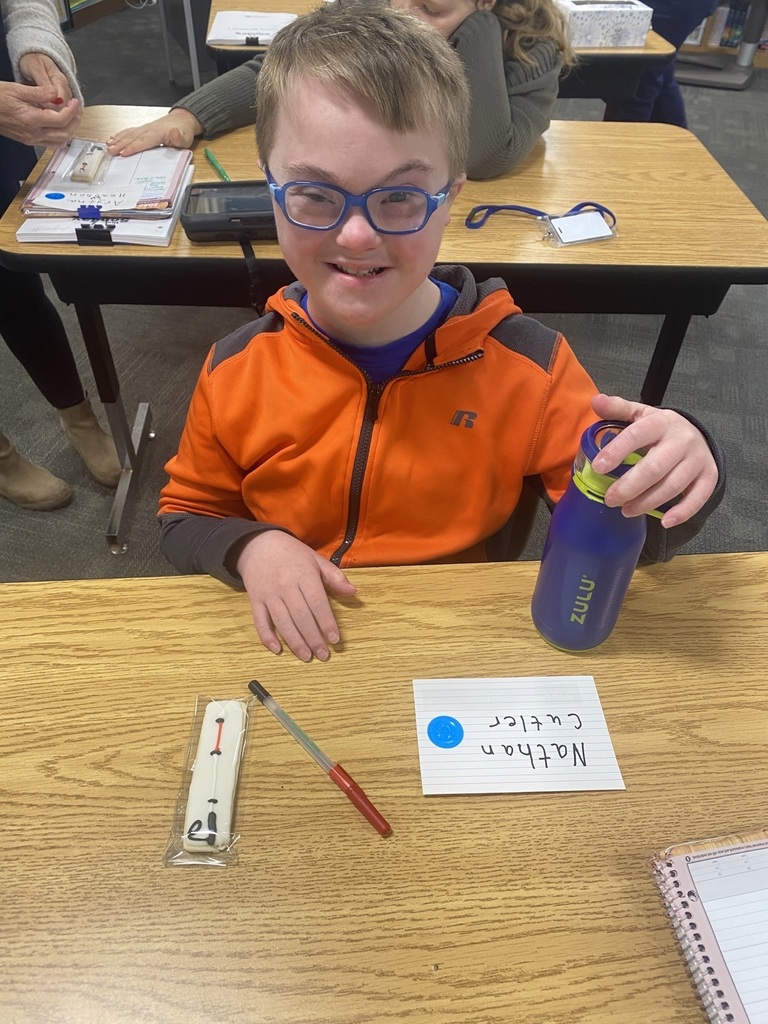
<point x="395" y="209"/>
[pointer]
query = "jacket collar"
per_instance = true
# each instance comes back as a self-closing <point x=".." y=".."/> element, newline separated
<point x="478" y="309"/>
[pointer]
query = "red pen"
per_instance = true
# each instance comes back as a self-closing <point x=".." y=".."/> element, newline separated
<point x="58" y="101"/>
<point x="343" y="779"/>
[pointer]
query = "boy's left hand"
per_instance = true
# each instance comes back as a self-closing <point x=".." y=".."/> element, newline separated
<point x="678" y="460"/>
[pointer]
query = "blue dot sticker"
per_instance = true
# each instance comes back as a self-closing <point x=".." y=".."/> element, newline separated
<point x="55" y="195"/>
<point x="445" y="732"/>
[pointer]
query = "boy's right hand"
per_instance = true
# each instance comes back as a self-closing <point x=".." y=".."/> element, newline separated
<point x="178" y="129"/>
<point x="286" y="582"/>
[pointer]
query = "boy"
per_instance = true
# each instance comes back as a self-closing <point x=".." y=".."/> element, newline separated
<point x="382" y="411"/>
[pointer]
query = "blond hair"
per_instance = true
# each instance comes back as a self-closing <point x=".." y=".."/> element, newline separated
<point x="404" y="70"/>
<point x="526" y="22"/>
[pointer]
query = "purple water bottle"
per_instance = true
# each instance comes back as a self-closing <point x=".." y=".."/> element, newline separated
<point x="589" y="555"/>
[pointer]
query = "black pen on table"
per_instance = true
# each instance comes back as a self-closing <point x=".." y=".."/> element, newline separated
<point x="343" y="779"/>
<point x="216" y="165"/>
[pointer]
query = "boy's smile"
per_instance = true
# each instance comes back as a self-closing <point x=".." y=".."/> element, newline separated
<point x="363" y="287"/>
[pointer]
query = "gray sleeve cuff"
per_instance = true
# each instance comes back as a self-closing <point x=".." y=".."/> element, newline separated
<point x="201" y="544"/>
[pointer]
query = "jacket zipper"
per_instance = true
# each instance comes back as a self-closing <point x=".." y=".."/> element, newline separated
<point x="370" y="416"/>
<point x="358" y="470"/>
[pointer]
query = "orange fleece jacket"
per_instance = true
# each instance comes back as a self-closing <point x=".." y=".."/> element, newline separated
<point x="284" y="430"/>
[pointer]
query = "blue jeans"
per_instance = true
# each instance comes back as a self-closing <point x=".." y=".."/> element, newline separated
<point x="658" y="97"/>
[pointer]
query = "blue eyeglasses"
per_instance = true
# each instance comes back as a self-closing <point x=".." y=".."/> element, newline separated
<point x="395" y="210"/>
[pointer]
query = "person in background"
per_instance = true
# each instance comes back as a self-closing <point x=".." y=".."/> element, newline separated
<point x="658" y="96"/>
<point x="40" y="104"/>
<point x="513" y="52"/>
<point x="385" y="411"/>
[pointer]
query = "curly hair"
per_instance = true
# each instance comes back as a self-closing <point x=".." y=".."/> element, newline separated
<point x="526" y="22"/>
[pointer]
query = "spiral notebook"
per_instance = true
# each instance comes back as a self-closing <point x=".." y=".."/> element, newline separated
<point x="716" y="893"/>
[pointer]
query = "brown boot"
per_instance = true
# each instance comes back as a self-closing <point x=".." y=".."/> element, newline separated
<point x="95" y="448"/>
<point x="27" y="485"/>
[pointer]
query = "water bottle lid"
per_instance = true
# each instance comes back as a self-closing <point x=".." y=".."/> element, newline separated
<point x="592" y="484"/>
<point x="593" y="440"/>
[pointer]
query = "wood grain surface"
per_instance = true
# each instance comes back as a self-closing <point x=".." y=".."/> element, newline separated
<point x="676" y="206"/>
<point x="477" y="910"/>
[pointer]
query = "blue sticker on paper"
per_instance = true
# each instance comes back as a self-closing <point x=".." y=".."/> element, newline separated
<point x="445" y="731"/>
<point x="55" y="195"/>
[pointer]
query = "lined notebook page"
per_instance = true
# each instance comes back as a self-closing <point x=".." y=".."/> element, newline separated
<point x="513" y="735"/>
<point x="716" y="894"/>
<point x="733" y="891"/>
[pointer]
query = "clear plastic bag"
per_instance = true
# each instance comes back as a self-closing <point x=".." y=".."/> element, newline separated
<point x="202" y="831"/>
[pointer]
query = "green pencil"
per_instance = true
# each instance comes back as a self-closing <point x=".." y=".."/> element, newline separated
<point x="216" y="165"/>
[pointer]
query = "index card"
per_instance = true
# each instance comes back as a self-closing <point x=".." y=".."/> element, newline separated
<point x="513" y="735"/>
<point x="257" y="28"/>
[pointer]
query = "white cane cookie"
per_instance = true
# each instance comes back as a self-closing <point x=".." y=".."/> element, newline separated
<point x="211" y="799"/>
<point x="88" y="161"/>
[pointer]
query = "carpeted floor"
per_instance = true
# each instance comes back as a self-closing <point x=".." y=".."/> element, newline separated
<point x="721" y="375"/>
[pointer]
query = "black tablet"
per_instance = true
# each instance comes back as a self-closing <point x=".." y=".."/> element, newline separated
<point x="223" y="211"/>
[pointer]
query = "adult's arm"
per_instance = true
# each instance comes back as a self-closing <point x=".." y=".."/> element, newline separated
<point x="32" y="26"/>
<point x="511" y="100"/>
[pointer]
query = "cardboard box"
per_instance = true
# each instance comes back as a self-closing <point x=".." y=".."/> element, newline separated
<point x="604" y="23"/>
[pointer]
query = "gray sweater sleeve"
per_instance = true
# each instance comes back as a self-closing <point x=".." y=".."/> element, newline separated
<point x="32" y="26"/>
<point x="227" y="102"/>
<point x="511" y="101"/>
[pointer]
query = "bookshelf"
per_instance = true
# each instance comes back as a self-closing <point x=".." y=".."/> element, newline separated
<point x="81" y="12"/>
<point x="728" y="23"/>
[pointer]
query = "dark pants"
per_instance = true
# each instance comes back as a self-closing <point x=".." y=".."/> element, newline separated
<point x="29" y="323"/>
<point x="32" y="329"/>
<point x="658" y="97"/>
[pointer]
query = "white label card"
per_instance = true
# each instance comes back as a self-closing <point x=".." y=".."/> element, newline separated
<point x="513" y="735"/>
<point x="580" y="227"/>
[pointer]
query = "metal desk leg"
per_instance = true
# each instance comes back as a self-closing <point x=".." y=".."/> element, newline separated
<point x="192" y="44"/>
<point x="665" y="354"/>
<point x="166" y="39"/>
<point x="130" y="442"/>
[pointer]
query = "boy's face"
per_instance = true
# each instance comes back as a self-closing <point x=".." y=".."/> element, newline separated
<point x="363" y="287"/>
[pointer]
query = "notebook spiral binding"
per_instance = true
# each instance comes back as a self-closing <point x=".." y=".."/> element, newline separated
<point x="689" y="938"/>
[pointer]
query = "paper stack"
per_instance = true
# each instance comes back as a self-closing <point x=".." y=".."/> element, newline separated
<point x="246" y="28"/>
<point x="138" y="228"/>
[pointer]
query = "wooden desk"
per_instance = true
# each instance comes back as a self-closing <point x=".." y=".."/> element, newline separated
<point x="686" y="234"/>
<point x="531" y="907"/>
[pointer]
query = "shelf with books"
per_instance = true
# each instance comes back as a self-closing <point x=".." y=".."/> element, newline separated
<point x="722" y="33"/>
<point x="81" y="12"/>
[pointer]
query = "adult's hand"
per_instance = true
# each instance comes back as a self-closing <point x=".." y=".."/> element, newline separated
<point x="28" y="114"/>
<point x="39" y="69"/>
